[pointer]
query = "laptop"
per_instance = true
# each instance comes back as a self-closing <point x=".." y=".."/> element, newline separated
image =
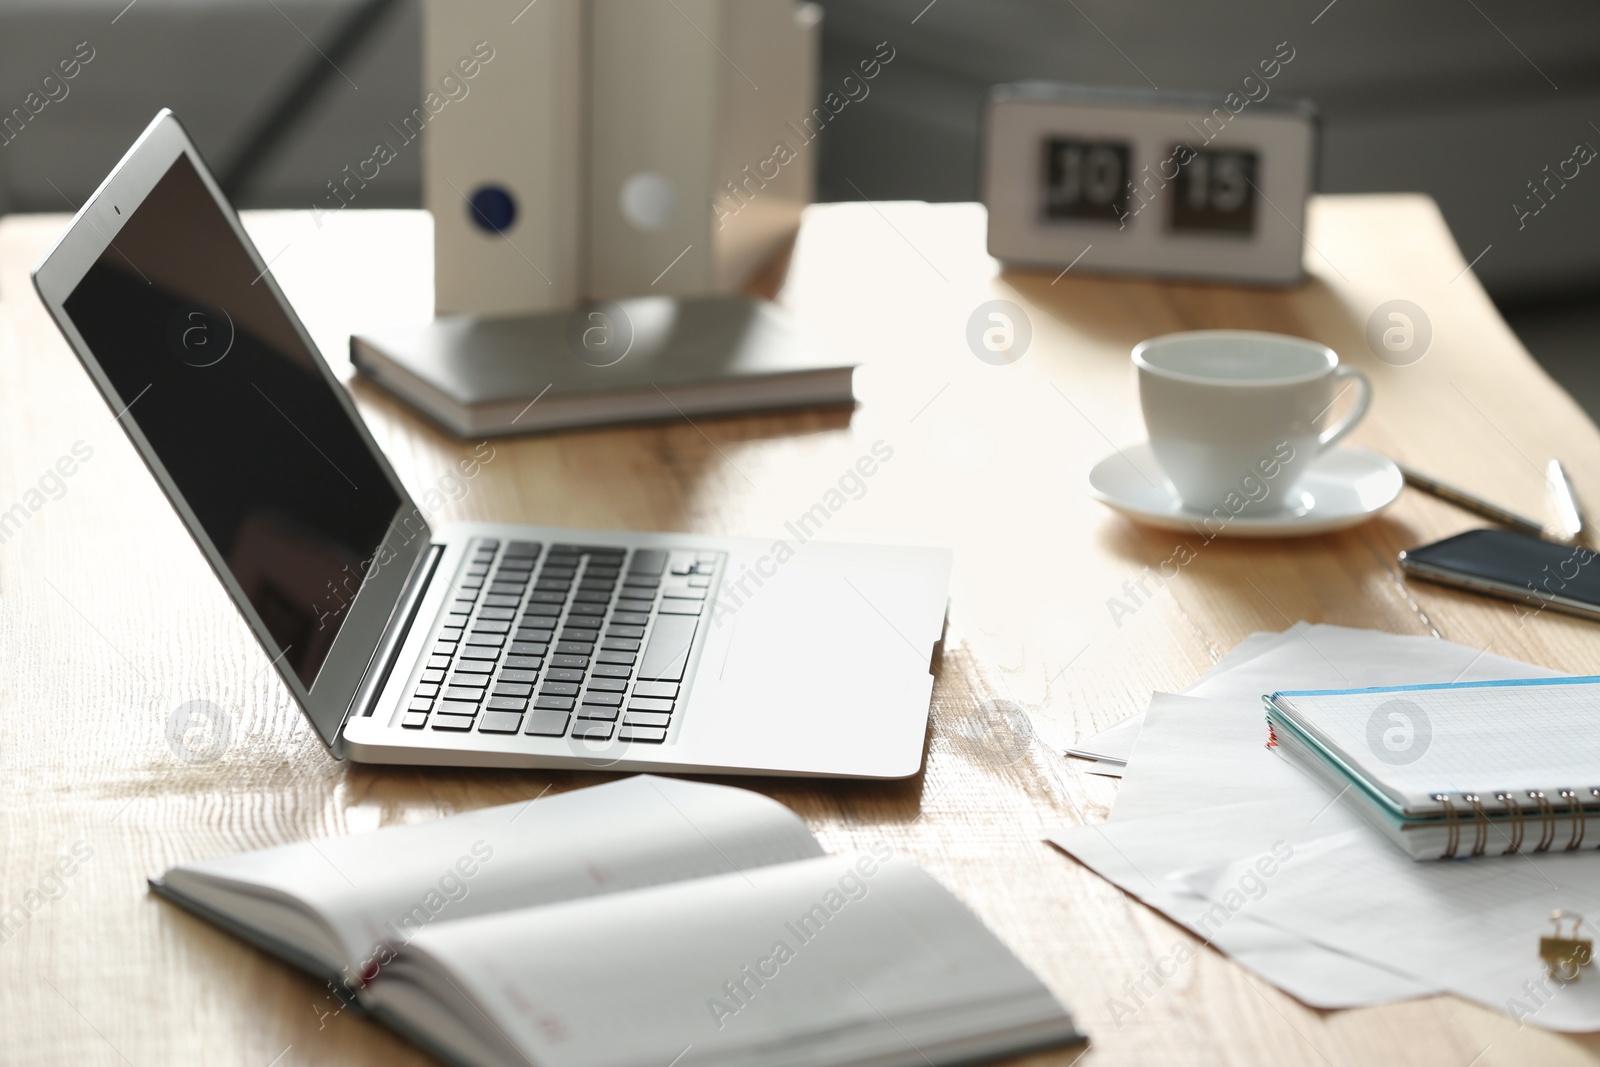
<point x="473" y="644"/>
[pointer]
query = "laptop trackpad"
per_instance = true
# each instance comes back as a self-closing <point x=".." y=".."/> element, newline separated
<point x="825" y="655"/>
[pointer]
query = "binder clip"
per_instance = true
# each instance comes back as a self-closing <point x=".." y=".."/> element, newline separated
<point x="1564" y="952"/>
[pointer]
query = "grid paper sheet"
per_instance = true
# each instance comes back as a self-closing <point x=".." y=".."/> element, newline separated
<point x="1472" y="738"/>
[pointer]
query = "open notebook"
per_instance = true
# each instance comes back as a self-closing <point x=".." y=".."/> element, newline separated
<point x="1462" y="769"/>
<point x="645" y="921"/>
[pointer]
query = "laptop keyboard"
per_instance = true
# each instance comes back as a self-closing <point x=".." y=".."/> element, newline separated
<point x="582" y="641"/>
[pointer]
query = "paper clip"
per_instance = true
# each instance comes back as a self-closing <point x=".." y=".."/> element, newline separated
<point x="1564" y="953"/>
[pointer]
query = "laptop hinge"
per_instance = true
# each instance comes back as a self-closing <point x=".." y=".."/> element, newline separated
<point x="394" y="638"/>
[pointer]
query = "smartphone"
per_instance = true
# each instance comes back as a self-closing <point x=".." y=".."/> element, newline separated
<point x="1514" y="566"/>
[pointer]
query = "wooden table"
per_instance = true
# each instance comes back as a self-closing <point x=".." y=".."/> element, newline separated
<point x="110" y="621"/>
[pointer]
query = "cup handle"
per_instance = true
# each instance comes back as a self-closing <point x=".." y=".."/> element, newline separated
<point x="1333" y="433"/>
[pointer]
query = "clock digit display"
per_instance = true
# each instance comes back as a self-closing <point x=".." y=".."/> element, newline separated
<point x="1085" y="179"/>
<point x="1214" y="192"/>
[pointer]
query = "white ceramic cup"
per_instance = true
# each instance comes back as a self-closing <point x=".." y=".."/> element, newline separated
<point x="1233" y="414"/>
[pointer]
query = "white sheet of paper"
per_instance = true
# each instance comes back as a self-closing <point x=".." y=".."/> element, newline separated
<point x="1139" y="854"/>
<point x="1201" y="766"/>
<point x="1470" y="926"/>
<point x="1115" y="743"/>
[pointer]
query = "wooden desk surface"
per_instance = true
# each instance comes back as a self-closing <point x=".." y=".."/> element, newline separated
<point x="110" y="621"/>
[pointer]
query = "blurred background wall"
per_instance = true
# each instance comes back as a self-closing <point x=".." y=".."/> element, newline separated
<point x="1467" y="100"/>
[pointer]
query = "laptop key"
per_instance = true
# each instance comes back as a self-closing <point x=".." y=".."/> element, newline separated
<point x="673" y="606"/>
<point x="518" y="675"/>
<point x="574" y="648"/>
<point x="475" y="666"/>
<point x="506" y="703"/>
<point x="631" y="618"/>
<point x="619" y="659"/>
<point x="646" y="718"/>
<point x="628" y="604"/>
<point x="537" y="635"/>
<point x="612" y="670"/>
<point x="414" y="720"/>
<point x="479" y="653"/>
<point x="635" y="632"/>
<point x="590" y="730"/>
<point x="507" y="612"/>
<point x="547" y="723"/>
<point x="667" y="690"/>
<point x="580" y="662"/>
<point x="648" y="735"/>
<point x="649" y="704"/>
<point x="512" y="689"/>
<point x="608" y="685"/>
<point x="699" y="581"/>
<point x="560" y="689"/>
<point x="554" y="703"/>
<point x="592" y="596"/>
<point x="500" y="722"/>
<point x="597" y="711"/>
<point x="468" y="681"/>
<point x="620" y="644"/>
<point x="420" y="704"/>
<point x="528" y="648"/>
<point x="487" y="640"/>
<point x="592" y="610"/>
<point x="648" y="561"/>
<point x="433" y="676"/>
<point x="463" y="693"/>
<point x="457" y="707"/>
<point x="438" y="663"/>
<point x="564" y="674"/>
<point x="490" y="626"/>
<point x="428" y="690"/>
<point x="453" y="722"/>
<point x="604" y="699"/>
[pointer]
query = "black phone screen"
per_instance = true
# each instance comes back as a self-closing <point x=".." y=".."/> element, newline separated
<point x="1540" y="569"/>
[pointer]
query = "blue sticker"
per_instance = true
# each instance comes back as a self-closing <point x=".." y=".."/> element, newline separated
<point x="493" y="208"/>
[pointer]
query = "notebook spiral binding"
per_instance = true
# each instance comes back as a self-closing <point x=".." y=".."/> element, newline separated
<point x="1517" y="819"/>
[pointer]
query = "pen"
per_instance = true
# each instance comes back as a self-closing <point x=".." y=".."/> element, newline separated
<point x="1566" y="498"/>
<point x="1475" y="504"/>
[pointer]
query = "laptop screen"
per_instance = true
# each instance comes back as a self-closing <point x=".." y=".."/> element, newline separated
<point x="216" y="376"/>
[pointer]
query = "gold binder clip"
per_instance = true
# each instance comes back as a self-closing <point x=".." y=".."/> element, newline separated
<point x="1564" y="953"/>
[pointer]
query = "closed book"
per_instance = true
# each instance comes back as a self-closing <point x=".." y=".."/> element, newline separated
<point x="630" y="361"/>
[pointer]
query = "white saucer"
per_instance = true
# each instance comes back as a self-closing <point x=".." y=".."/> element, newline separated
<point x="1343" y="488"/>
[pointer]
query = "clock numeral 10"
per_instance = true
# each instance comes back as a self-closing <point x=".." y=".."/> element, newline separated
<point x="1085" y="179"/>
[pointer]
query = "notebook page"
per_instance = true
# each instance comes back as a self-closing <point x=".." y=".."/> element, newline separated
<point x="832" y="960"/>
<point x="383" y="887"/>
<point x="1474" y="738"/>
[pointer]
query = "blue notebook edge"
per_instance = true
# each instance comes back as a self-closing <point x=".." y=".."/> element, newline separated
<point x="1584" y="679"/>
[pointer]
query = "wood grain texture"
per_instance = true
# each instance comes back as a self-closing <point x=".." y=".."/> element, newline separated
<point x="110" y="620"/>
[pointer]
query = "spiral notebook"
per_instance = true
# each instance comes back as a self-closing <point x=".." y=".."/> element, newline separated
<point x="1457" y="770"/>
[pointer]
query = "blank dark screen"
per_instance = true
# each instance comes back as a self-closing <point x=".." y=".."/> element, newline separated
<point x="1541" y="567"/>
<point x="238" y="411"/>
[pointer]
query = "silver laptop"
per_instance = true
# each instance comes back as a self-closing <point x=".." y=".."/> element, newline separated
<point x="483" y="645"/>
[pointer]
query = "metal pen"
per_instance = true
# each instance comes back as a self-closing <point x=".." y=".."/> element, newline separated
<point x="1475" y="504"/>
